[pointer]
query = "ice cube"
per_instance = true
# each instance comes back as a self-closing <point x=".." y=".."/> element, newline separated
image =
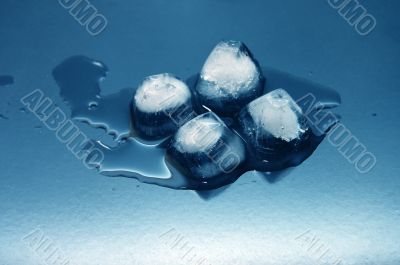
<point x="161" y="104"/>
<point x="205" y="148"/>
<point x="273" y="126"/>
<point x="230" y="78"/>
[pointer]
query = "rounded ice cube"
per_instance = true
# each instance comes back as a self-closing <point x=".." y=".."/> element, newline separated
<point x="273" y="126"/>
<point x="229" y="79"/>
<point x="161" y="104"/>
<point x="205" y="148"/>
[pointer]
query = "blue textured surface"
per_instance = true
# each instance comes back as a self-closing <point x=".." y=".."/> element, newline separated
<point x="93" y="219"/>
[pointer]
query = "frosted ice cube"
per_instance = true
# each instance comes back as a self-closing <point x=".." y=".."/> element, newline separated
<point x="277" y="113"/>
<point x="230" y="78"/>
<point x="160" y="104"/>
<point x="273" y="125"/>
<point x="198" y="135"/>
<point x="206" y="148"/>
<point x="160" y="92"/>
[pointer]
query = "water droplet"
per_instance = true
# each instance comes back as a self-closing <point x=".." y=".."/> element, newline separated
<point x="93" y="105"/>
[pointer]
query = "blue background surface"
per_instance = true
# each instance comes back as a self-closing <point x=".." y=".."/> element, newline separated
<point x="94" y="219"/>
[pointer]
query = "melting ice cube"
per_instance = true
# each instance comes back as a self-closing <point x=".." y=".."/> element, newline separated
<point x="230" y="78"/>
<point x="273" y="126"/>
<point x="206" y="148"/>
<point x="161" y="104"/>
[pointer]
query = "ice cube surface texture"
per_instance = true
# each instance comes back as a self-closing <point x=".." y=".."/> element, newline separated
<point x="206" y="148"/>
<point x="229" y="79"/>
<point x="157" y="102"/>
<point x="273" y="126"/>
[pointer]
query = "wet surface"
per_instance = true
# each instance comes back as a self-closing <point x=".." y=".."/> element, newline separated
<point x="79" y="79"/>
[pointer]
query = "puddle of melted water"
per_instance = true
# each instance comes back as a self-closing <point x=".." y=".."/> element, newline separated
<point x="79" y="80"/>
